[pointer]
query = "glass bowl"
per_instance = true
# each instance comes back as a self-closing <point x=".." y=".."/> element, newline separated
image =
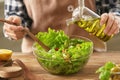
<point x="69" y="60"/>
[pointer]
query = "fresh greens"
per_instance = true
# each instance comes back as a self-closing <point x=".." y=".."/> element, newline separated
<point x="105" y="71"/>
<point x="67" y="55"/>
<point x="53" y="38"/>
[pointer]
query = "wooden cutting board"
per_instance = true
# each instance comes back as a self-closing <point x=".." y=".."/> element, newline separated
<point x="88" y="73"/>
<point x="10" y="70"/>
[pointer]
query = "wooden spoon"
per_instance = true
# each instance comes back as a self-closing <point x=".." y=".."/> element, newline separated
<point x="36" y="39"/>
<point x="6" y="21"/>
<point x="29" y="33"/>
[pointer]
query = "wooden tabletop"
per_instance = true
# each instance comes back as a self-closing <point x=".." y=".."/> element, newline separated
<point x="88" y="73"/>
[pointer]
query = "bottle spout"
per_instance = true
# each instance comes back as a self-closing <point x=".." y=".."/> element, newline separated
<point x="81" y="7"/>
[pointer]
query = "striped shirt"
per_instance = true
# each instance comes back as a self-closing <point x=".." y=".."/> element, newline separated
<point x="17" y="7"/>
<point x="106" y="6"/>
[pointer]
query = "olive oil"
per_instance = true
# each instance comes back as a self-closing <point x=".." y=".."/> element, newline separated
<point x="92" y="26"/>
<point x="89" y="21"/>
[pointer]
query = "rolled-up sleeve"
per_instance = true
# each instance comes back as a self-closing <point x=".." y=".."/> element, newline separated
<point x="17" y="8"/>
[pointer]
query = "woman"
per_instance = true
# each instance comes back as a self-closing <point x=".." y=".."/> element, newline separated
<point x="41" y="14"/>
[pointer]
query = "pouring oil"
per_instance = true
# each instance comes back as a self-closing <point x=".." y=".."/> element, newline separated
<point x="92" y="26"/>
<point x="89" y="21"/>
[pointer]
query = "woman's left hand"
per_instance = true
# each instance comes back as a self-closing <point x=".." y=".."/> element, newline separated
<point x="112" y="23"/>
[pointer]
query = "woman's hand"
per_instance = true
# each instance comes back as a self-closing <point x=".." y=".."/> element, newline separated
<point x="12" y="31"/>
<point x="112" y="23"/>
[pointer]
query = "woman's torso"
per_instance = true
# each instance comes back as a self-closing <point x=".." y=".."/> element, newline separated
<point x="53" y="14"/>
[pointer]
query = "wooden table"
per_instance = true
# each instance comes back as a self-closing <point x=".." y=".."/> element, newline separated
<point x="88" y="73"/>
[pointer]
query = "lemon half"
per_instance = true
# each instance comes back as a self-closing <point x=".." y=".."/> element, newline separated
<point x="5" y="54"/>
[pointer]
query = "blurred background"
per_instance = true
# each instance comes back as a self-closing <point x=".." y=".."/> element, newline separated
<point x="4" y="42"/>
<point x="113" y="44"/>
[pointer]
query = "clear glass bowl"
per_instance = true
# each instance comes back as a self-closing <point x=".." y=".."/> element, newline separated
<point x="68" y="61"/>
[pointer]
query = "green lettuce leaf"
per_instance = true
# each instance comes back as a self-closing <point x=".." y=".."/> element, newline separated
<point x="105" y="71"/>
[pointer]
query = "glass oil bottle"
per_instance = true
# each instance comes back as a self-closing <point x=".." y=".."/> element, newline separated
<point x="89" y="21"/>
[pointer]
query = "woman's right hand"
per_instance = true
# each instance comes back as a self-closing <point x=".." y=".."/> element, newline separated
<point x="12" y="31"/>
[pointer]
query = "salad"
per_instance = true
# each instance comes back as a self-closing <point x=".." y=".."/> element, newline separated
<point x="67" y="55"/>
<point x="109" y="71"/>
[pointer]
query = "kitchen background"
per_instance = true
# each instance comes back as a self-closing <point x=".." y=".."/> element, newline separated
<point x="113" y="44"/>
<point x="4" y="42"/>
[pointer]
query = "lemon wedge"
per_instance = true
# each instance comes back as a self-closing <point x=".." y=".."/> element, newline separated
<point x="5" y="54"/>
